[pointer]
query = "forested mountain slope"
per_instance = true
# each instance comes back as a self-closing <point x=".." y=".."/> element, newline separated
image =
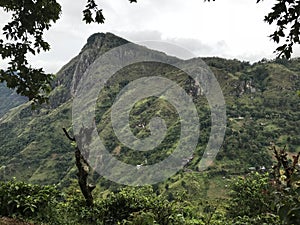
<point x="261" y="103"/>
<point x="9" y="99"/>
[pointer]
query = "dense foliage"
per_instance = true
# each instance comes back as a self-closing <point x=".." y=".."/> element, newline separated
<point x="25" y="200"/>
<point x="253" y="201"/>
<point x="251" y="196"/>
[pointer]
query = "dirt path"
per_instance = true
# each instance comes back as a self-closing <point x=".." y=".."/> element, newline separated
<point x="10" y="221"/>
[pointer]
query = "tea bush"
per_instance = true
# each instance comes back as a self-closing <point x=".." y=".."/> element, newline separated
<point x="25" y="200"/>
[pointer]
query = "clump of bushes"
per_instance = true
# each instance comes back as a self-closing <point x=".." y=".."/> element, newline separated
<point x="23" y="200"/>
<point x="46" y="204"/>
<point x="134" y="206"/>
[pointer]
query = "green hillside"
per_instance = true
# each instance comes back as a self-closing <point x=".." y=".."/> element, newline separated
<point x="9" y="99"/>
<point x="261" y="103"/>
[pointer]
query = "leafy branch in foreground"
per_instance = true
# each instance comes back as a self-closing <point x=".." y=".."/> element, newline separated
<point x="24" y="34"/>
<point x="286" y="15"/>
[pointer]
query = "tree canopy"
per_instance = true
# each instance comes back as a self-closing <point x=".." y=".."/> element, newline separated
<point x="30" y="18"/>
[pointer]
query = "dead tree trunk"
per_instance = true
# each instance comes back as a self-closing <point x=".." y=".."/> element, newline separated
<point x="82" y="175"/>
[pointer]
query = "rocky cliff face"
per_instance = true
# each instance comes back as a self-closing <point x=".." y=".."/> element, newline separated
<point x="68" y="77"/>
<point x="97" y="44"/>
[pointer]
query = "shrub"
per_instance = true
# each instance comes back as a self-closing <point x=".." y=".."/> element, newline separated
<point x="251" y="196"/>
<point x="25" y="200"/>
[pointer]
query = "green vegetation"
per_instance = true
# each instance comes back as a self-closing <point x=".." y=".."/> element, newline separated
<point x="262" y="108"/>
<point x="256" y="198"/>
<point x="9" y="99"/>
<point x="253" y="199"/>
<point x="26" y="200"/>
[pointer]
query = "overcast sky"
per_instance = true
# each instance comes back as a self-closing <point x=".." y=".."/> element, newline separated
<point x="225" y="28"/>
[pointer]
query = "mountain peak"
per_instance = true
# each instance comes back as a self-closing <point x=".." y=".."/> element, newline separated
<point x="106" y="40"/>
